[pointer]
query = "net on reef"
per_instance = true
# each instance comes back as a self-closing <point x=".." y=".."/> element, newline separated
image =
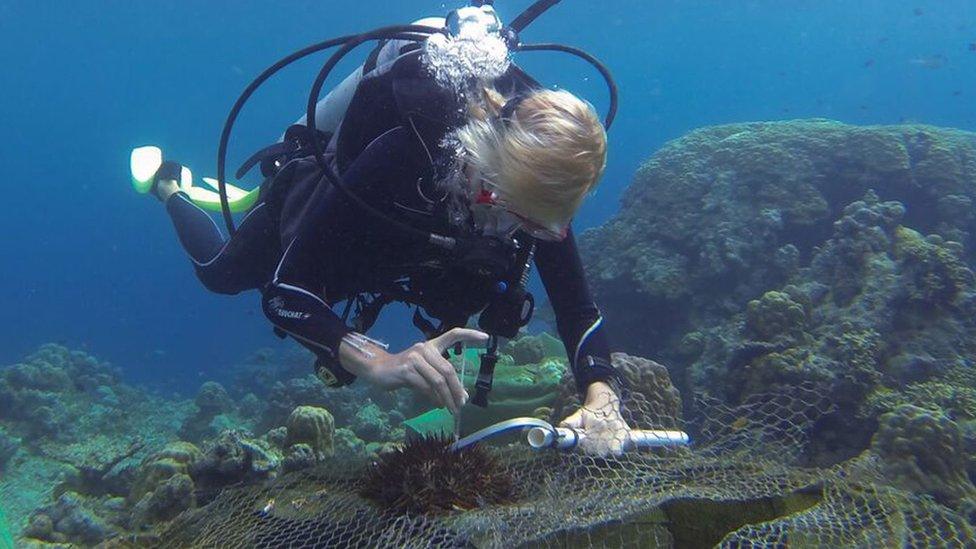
<point x="739" y="485"/>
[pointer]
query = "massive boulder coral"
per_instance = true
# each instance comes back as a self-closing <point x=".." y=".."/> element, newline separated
<point x="924" y="451"/>
<point x="313" y="427"/>
<point x="163" y="487"/>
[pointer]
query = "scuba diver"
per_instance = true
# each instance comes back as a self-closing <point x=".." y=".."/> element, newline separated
<point x="489" y="171"/>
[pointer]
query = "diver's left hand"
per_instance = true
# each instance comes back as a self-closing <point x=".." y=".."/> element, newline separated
<point x="599" y="418"/>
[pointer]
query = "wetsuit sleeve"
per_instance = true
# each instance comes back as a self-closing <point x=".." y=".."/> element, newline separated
<point x="578" y="319"/>
<point x="296" y="300"/>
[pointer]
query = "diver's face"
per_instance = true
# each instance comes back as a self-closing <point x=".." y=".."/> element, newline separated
<point x="500" y="216"/>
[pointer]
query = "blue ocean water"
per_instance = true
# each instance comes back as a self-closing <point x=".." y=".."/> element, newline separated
<point x="87" y="262"/>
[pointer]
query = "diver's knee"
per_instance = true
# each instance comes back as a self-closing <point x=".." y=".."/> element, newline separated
<point x="218" y="282"/>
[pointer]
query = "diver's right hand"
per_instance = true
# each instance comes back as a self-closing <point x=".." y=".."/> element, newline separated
<point x="421" y="367"/>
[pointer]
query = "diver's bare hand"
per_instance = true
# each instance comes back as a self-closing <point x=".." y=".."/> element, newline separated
<point x="420" y="367"/>
<point x="600" y="420"/>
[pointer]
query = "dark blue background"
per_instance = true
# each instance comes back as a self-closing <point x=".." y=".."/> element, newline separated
<point x="87" y="262"/>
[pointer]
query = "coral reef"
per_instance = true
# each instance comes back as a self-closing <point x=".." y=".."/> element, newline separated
<point x="801" y="257"/>
<point x="81" y="432"/>
<point x="169" y="499"/>
<point x="925" y="452"/>
<point x="371" y="414"/>
<point x="756" y="256"/>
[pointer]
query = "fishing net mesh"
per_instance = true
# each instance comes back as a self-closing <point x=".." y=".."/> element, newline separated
<point x="739" y="485"/>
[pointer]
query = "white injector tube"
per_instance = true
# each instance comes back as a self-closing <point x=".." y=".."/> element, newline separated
<point x="562" y="438"/>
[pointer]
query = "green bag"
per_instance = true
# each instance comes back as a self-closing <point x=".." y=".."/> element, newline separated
<point x="6" y="538"/>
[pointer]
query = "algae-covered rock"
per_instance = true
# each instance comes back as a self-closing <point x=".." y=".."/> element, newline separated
<point x="314" y="427"/>
<point x="517" y="390"/>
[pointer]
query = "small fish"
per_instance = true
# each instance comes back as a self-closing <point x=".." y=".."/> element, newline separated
<point x="918" y="12"/>
<point x="739" y="424"/>
<point x="957" y="93"/>
<point x="972" y="46"/>
<point x="868" y="63"/>
<point x="936" y="61"/>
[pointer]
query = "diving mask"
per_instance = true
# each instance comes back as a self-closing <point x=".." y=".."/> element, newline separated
<point x="493" y="214"/>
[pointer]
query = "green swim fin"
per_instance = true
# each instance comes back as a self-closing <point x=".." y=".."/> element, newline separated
<point x="145" y="161"/>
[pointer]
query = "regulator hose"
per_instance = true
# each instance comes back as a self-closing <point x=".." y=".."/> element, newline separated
<point x="604" y="71"/>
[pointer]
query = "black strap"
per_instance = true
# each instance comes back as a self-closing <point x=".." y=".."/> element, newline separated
<point x="486" y="374"/>
<point x="277" y="149"/>
<point x="297" y="142"/>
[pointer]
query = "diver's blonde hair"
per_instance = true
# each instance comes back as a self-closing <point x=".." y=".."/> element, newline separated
<point x="544" y="159"/>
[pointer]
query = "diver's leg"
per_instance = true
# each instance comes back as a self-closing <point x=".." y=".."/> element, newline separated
<point x="196" y="230"/>
<point x="243" y="262"/>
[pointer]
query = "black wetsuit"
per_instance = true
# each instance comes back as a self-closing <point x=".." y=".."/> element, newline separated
<point x="307" y="247"/>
